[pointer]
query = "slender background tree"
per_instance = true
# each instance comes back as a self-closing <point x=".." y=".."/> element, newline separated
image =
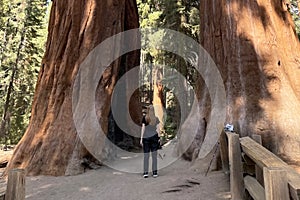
<point x="22" y="39"/>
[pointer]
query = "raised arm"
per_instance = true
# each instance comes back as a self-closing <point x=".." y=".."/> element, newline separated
<point x="142" y="134"/>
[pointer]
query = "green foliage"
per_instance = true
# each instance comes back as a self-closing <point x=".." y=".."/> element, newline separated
<point x="22" y="39"/>
<point x="295" y="12"/>
<point x="179" y="15"/>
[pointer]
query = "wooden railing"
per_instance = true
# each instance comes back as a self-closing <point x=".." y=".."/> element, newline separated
<point x="256" y="171"/>
<point x="2" y="189"/>
<point x="14" y="189"/>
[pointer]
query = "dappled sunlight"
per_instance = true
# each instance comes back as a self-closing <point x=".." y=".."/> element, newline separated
<point x="175" y="182"/>
<point x="252" y="54"/>
<point x="37" y="191"/>
<point x="46" y="186"/>
<point x="224" y="195"/>
<point x="125" y="157"/>
<point x="117" y="173"/>
<point x="85" y="189"/>
<point x="257" y="52"/>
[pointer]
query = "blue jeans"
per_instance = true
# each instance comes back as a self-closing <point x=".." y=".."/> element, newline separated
<point x="150" y="145"/>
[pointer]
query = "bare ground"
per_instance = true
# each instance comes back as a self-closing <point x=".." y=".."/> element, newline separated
<point x="176" y="181"/>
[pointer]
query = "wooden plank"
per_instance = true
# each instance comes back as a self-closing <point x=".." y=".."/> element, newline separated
<point x="264" y="158"/>
<point x="256" y="191"/>
<point x="276" y="186"/>
<point x="293" y="179"/>
<point x="2" y="189"/>
<point x="258" y="171"/>
<point x="237" y="187"/>
<point x="224" y="152"/>
<point x="260" y="155"/>
<point x="15" y="185"/>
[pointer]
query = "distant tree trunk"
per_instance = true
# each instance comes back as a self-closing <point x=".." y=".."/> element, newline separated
<point x="5" y="117"/>
<point x="51" y="145"/>
<point x="158" y="96"/>
<point x="257" y="52"/>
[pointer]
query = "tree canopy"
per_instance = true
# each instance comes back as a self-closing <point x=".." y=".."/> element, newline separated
<point x="22" y="38"/>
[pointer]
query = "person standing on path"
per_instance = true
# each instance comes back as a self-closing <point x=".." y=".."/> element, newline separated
<point x="150" y="139"/>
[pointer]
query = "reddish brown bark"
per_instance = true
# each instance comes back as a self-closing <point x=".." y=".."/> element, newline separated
<point x="50" y="145"/>
<point x="158" y="97"/>
<point x="257" y="52"/>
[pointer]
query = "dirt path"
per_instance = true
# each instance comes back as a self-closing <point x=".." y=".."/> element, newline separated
<point x="177" y="181"/>
<point x="174" y="182"/>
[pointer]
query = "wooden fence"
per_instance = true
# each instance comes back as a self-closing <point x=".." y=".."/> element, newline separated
<point x="255" y="171"/>
<point x="14" y="189"/>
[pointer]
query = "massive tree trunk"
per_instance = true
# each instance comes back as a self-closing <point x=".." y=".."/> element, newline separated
<point x="51" y="145"/>
<point x="257" y="52"/>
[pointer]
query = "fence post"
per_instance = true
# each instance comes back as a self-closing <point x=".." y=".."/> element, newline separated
<point x="258" y="171"/>
<point x="15" y="185"/>
<point x="237" y="187"/>
<point x="276" y="186"/>
<point x="224" y="152"/>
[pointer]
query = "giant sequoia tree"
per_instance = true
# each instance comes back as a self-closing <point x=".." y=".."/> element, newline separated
<point x="252" y="42"/>
<point x="51" y="144"/>
<point x="255" y="47"/>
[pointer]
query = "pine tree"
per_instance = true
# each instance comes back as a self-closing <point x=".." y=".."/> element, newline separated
<point x="21" y="46"/>
<point x="179" y="15"/>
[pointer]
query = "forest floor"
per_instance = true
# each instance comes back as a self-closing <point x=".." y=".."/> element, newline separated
<point x="176" y="181"/>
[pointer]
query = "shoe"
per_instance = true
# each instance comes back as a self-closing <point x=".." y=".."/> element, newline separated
<point x="145" y="175"/>
<point x="155" y="174"/>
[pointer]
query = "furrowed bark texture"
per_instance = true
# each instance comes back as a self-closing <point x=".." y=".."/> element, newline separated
<point x="257" y="52"/>
<point x="51" y="145"/>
